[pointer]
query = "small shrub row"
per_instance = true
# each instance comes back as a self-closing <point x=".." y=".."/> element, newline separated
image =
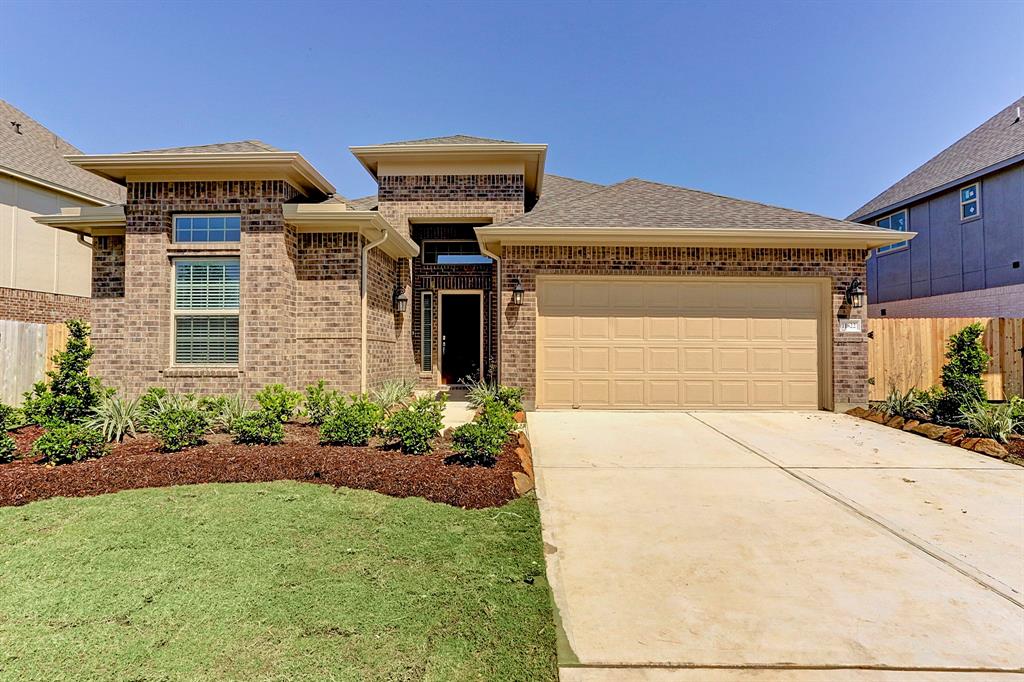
<point x="416" y="425"/>
<point x="351" y="422"/>
<point x="479" y="442"/>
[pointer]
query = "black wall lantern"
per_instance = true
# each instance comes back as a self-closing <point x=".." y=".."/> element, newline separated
<point x="517" y="293"/>
<point x="855" y="294"/>
<point x="401" y="301"/>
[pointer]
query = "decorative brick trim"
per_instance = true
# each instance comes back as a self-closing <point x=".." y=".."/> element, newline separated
<point x="451" y="188"/>
<point x="42" y="307"/>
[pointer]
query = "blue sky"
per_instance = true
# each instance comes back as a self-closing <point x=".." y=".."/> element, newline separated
<point x="816" y="106"/>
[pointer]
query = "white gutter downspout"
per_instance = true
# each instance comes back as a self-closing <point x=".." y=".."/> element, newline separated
<point x="363" y="307"/>
<point x="497" y="344"/>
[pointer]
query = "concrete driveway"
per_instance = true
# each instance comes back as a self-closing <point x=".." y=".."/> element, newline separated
<point x="784" y="546"/>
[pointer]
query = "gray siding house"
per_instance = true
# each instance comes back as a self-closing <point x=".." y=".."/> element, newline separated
<point x="967" y="207"/>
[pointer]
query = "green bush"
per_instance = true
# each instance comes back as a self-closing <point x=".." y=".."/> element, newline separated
<point x="116" y="417"/>
<point x="481" y="392"/>
<point x="930" y="399"/>
<point x="177" y="428"/>
<point x="989" y="420"/>
<point x="258" y="428"/>
<point x="7" y="447"/>
<point x="320" y="402"/>
<point x="966" y="360"/>
<point x="70" y="393"/>
<point x="277" y="400"/>
<point x="416" y="425"/>
<point x="1017" y="410"/>
<point x="151" y="401"/>
<point x="511" y="397"/>
<point x="351" y="423"/>
<point x="64" y="443"/>
<point x="7" y="417"/>
<point x="905" y="404"/>
<point x="478" y="443"/>
<point x="234" y="408"/>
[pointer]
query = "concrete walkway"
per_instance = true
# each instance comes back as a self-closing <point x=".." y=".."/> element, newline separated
<point x="781" y="546"/>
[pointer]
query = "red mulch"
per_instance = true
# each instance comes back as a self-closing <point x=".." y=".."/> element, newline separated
<point x="137" y="463"/>
<point x="24" y="438"/>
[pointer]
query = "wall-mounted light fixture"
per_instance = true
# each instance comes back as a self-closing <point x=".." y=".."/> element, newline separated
<point x="401" y="301"/>
<point x="518" y="293"/>
<point x="855" y="294"/>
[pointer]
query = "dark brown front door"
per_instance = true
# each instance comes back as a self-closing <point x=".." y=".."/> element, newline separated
<point x="460" y="338"/>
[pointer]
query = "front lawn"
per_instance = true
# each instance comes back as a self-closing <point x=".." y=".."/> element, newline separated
<point x="272" y="581"/>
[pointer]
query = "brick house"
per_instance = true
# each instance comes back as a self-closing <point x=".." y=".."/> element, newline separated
<point x="236" y="265"/>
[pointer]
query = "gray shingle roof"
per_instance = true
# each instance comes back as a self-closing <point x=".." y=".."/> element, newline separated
<point x="39" y="153"/>
<point x="557" y="189"/>
<point x="642" y="203"/>
<point x="220" y="147"/>
<point x="452" y="139"/>
<point x="363" y="203"/>
<point x="993" y="142"/>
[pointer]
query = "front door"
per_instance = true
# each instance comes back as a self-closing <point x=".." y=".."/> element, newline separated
<point x="460" y="338"/>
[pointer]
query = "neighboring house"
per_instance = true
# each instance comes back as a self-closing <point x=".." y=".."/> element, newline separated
<point x="44" y="273"/>
<point x="967" y="207"/>
<point x="236" y="265"/>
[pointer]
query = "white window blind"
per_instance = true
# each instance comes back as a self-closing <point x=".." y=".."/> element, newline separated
<point x="206" y="294"/>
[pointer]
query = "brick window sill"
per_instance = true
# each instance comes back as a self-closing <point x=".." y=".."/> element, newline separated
<point x="205" y="372"/>
<point x="204" y="249"/>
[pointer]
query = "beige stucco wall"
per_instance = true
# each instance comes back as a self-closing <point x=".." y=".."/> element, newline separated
<point x="33" y="256"/>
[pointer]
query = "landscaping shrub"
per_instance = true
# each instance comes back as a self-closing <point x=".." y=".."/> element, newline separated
<point x="212" y="406"/>
<point x="151" y="401"/>
<point x="70" y="393"/>
<point x="481" y="391"/>
<point x="64" y="443"/>
<point x="1017" y="410"/>
<point x="320" y="402"/>
<point x="116" y="417"/>
<point x="511" y="397"/>
<point x="277" y="400"/>
<point x="7" y="417"/>
<point x="416" y="425"/>
<point x="7" y="447"/>
<point x="258" y="428"/>
<point x="177" y="428"/>
<point x="990" y="420"/>
<point x="234" y="408"/>
<point x="478" y="443"/>
<point x="393" y="394"/>
<point x="351" y="423"/>
<point x="907" y="405"/>
<point x="966" y="360"/>
<point x="930" y="399"/>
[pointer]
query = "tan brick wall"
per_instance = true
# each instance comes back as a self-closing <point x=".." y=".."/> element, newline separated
<point x="418" y="206"/>
<point x="995" y="302"/>
<point x="389" y="350"/>
<point x="41" y="307"/>
<point x="133" y="331"/>
<point x="518" y="334"/>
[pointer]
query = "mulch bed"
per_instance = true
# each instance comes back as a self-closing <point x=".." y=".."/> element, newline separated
<point x="137" y="463"/>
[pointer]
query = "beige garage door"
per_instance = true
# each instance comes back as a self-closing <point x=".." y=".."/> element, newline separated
<point x="732" y="344"/>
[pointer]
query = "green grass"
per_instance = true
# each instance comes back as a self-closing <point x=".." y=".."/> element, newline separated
<point x="274" y="581"/>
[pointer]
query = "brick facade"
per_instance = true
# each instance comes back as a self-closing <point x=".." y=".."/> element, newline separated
<point x="41" y="307"/>
<point x="995" y="302"/>
<point x="524" y="263"/>
<point x="419" y="206"/>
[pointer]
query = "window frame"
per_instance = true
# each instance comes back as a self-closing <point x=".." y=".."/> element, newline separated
<point x="174" y="227"/>
<point x="426" y="340"/>
<point x="898" y="246"/>
<point x="177" y="312"/>
<point x="976" y="200"/>
<point x="423" y="251"/>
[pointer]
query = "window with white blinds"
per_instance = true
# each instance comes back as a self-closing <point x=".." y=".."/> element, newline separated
<point x="206" y="293"/>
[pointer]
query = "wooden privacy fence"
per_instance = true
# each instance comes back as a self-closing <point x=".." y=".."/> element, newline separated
<point x="909" y="352"/>
<point x="26" y="352"/>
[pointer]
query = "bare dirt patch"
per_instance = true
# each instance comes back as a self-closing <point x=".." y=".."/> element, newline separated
<point x="137" y="463"/>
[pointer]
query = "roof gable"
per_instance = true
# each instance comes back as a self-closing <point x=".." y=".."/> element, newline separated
<point x="30" y="151"/>
<point x="996" y="140"/>
<point x="451" y="139"/>
<point x="217" y="148"/>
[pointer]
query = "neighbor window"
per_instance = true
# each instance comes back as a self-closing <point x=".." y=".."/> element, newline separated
<point x="427" y="331"/>
<point x="206" y="311"/>
<point x="896" y="221"/>
<point x="453" y="253"/>
<point x="208" y="228"/>
<point x="970" y="202"/>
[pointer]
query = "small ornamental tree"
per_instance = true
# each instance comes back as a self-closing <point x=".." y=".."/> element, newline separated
<point x="70" y="394"/>
<point x="966" y="360"/>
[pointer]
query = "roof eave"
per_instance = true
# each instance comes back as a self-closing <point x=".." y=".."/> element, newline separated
<point x="55" y="187"/>
<point x="534" y="155"/>
<point x="895" y="206"/>
<point x="90" y="221"/>
<point x="291" y="167"/>
<point x="496" y="237"/>
<point x="336" y="218"/>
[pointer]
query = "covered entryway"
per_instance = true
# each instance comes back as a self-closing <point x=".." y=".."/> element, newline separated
<point x="635" y="343"/>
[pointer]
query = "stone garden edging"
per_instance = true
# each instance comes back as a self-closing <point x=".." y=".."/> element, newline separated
<point x="950" y="435"/>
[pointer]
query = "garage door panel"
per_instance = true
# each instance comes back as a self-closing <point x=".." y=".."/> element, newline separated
<point x="678" y="344"/>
